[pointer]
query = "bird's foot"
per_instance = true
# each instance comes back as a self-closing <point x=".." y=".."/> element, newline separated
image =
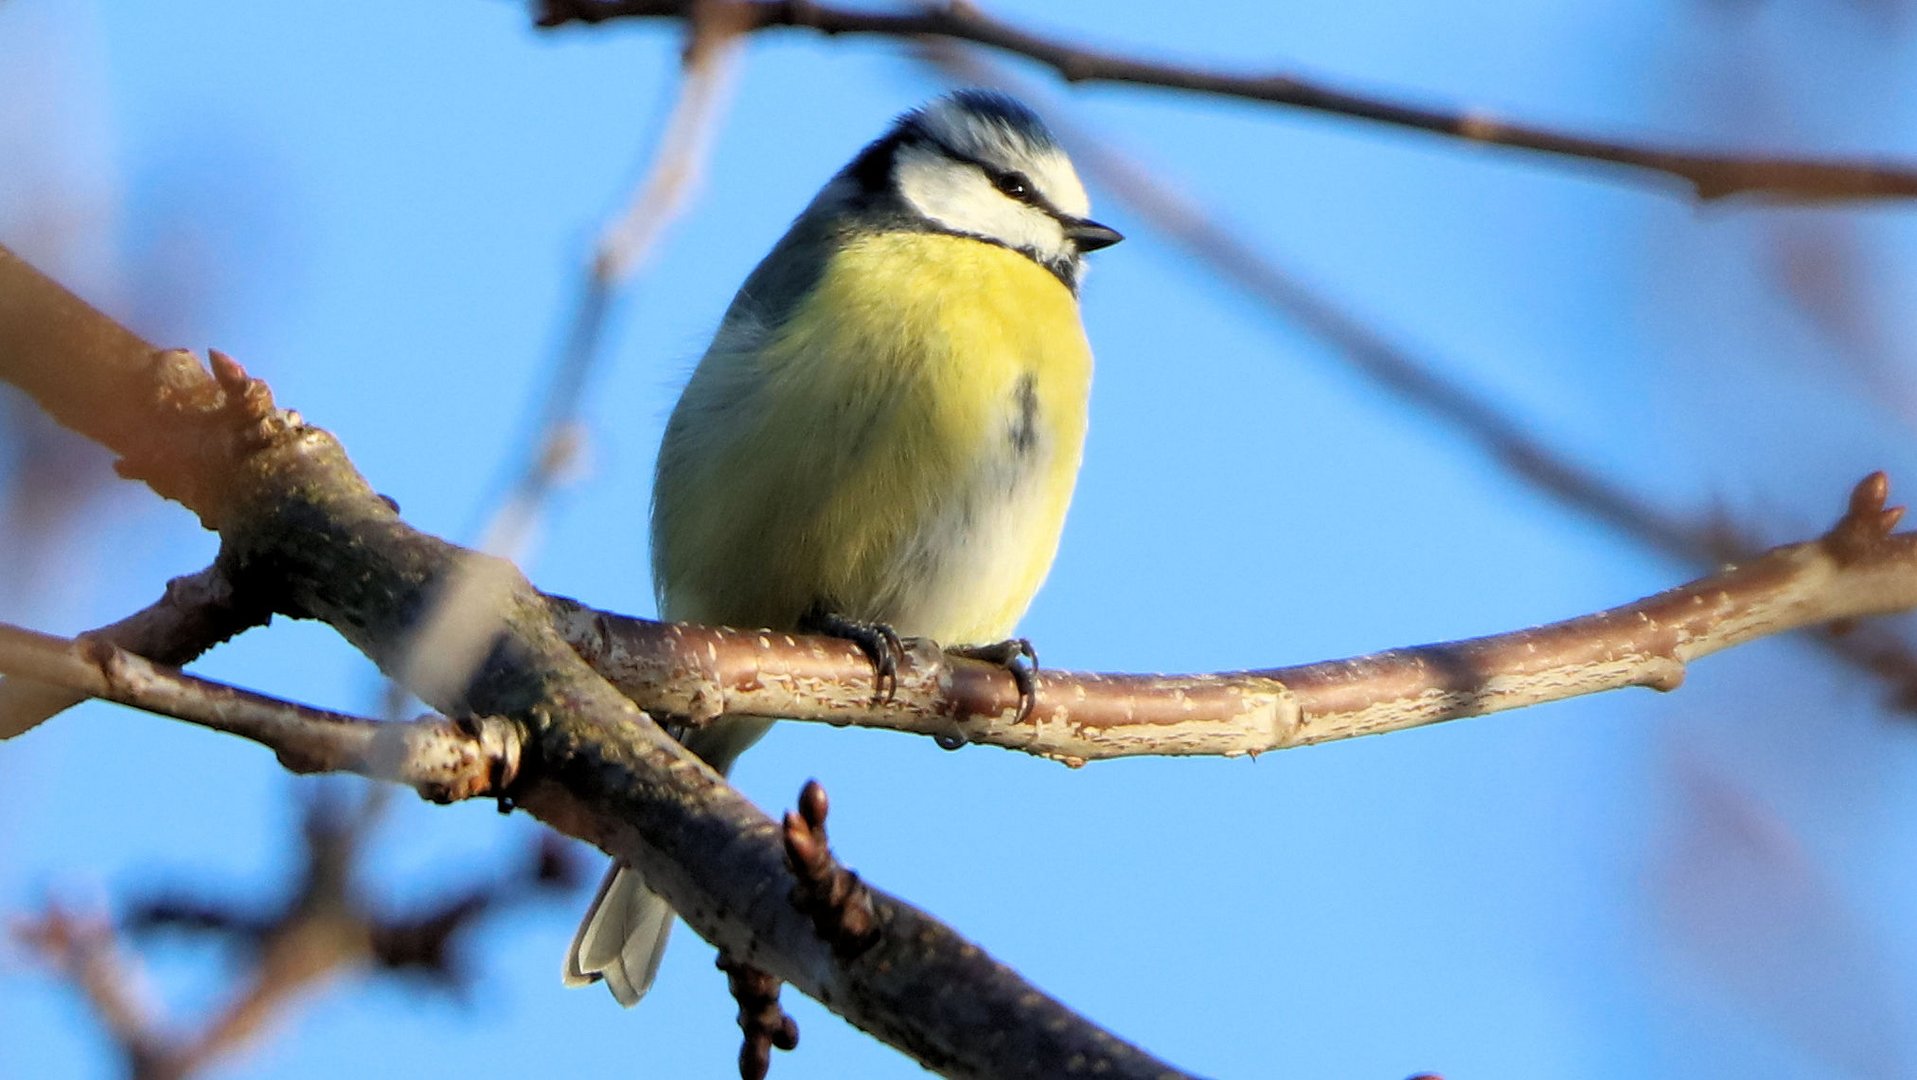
<point x="878" y="641"/>
<point x="1017" y="657"/>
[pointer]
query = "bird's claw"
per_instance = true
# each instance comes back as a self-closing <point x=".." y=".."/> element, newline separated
<point x="878" y="641"/>
<point x="1018" y="658"/>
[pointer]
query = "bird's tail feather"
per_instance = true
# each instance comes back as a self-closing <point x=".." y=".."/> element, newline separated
<point x="623" y="936"/>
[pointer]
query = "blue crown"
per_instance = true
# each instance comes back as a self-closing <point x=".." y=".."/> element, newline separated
<point x="970" y="120"/>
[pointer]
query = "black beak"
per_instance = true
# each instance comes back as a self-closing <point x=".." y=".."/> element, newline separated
<point x="1088" y="235"/>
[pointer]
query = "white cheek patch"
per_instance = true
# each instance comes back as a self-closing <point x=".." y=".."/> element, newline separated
<point x="959" y="197"/>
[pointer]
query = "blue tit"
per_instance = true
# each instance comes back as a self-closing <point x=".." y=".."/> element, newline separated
<point x="885" y="431"/>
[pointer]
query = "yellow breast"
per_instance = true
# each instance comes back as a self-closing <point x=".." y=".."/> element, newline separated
<point x="902" y="448"/>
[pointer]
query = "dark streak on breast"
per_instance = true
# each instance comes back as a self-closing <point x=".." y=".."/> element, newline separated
<point x="1024" y="433"/>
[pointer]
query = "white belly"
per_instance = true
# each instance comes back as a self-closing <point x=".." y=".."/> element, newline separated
<point x="968" y="575"/>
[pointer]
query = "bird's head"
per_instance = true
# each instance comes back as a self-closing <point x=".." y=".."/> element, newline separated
<point x="978" y="163"/>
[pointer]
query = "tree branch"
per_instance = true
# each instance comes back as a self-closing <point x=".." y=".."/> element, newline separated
<point x="197" y="612"/>
<point x="308" y="537"/>
<point x="1708" y="175"/>
<point x="1855" y="570"/>
<point x="444" y="760"/>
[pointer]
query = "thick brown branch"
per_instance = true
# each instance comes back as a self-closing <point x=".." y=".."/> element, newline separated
<point x="300" y="526"/>
<point x="1708" y="175"/>
<point x="912" y="955"/>
<point x="198" y="612"/>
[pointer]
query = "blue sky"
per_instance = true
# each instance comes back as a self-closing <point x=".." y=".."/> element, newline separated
<point x="382" y="208"/>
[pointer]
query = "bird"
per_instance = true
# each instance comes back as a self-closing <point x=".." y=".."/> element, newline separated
<point x="884" y="434"/>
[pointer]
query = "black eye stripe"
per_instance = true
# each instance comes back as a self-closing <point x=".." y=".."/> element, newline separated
<point x="1013" y="185"/>
<point x="1023" y="189"/>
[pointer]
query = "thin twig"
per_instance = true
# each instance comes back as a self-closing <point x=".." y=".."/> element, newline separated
<point x="1708" y="175"/>
<point x="444" y="760"/>
<point x="197" y="612"/>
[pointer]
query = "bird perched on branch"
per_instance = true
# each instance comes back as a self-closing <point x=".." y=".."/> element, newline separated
<point x="884" y="434"/>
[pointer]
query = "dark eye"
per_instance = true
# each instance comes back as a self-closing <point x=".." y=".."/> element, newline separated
<point x="1014" y="185"/>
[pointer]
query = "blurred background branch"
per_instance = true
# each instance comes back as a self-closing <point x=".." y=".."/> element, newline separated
<point x="282" y="951"/>
<point x="1709" y="176"/>
<point x="451" y="640"/>
<point x="670" y="183"/>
